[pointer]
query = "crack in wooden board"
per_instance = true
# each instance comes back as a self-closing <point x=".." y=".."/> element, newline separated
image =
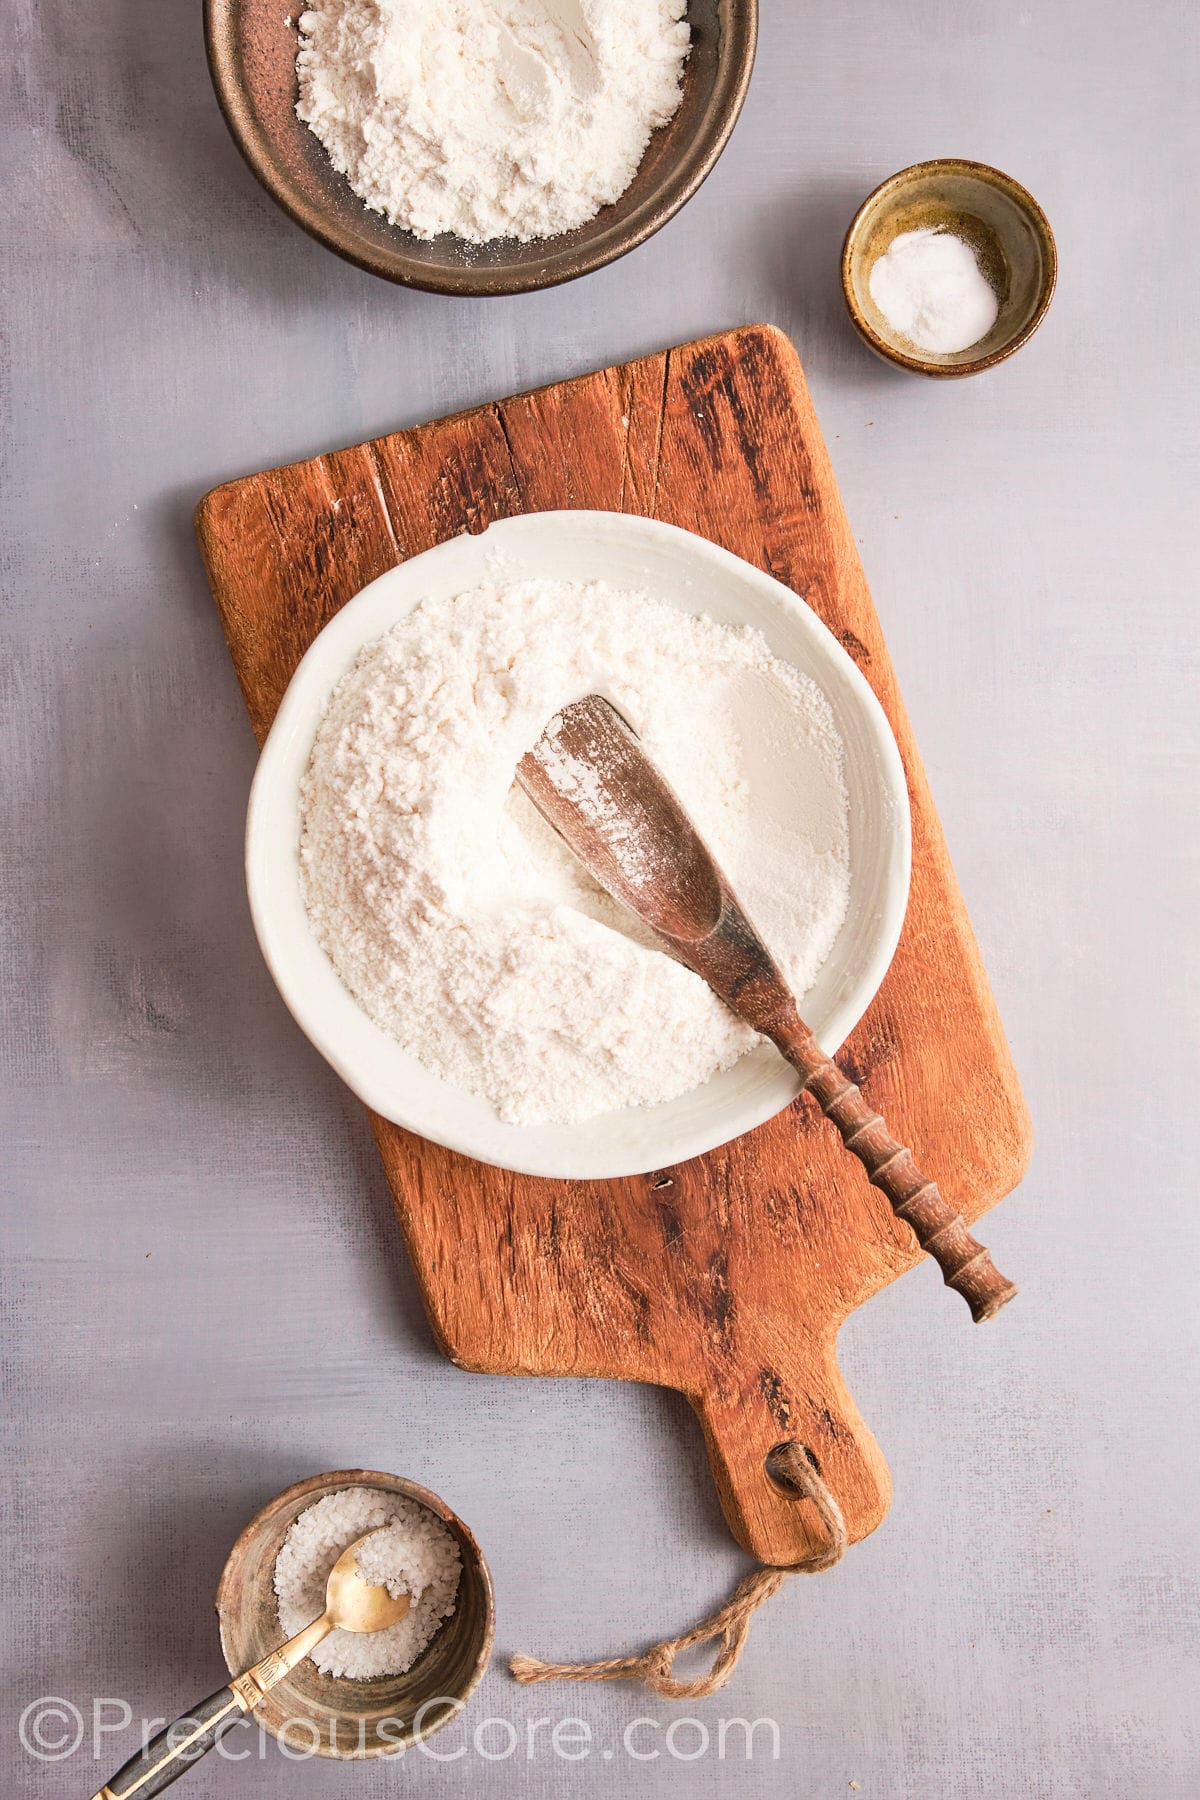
<point x="729" y="1282"/>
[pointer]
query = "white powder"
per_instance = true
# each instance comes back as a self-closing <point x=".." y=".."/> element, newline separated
<point x="457" y="917"/>
<point x="414" y="1555"/>
<point x="489" y="118"/>
<point x="929" y="287"/>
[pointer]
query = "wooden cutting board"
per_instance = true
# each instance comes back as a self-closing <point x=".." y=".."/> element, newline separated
<point x="726" y="1277"/>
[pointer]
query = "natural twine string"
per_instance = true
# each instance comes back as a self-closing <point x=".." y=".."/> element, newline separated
<point x="731" y="1623"/>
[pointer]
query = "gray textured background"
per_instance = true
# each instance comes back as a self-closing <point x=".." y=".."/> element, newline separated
<point x="206" y="1291"/>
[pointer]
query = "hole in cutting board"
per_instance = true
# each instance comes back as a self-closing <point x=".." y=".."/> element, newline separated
<point x="773" y="1464"/>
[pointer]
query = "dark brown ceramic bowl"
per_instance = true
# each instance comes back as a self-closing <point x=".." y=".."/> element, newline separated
<point x="330" y="1715"/>
<point x="1003" y="223"/>
<point x="252" y="55"/>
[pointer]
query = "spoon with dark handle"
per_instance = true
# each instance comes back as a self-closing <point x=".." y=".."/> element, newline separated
<point x="351" y="1604"/>
<point x="591" y="780"/>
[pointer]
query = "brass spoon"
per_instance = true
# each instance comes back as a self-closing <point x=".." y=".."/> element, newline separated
<point x="590" y="778"/>
<point x="351" y="1604"/>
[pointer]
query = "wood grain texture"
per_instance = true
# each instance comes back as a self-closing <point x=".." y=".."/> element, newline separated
<point x="726" y="1277"/>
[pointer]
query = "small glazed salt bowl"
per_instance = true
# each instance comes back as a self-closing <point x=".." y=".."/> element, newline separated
<point x="332" y="1716"/>
<point x="1003" y="224"/>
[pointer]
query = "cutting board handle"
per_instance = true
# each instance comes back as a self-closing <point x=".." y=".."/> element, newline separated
<point x="764" y="1406"/>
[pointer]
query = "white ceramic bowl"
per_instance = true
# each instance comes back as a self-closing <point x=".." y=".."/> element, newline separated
<point x="693" y="575"/>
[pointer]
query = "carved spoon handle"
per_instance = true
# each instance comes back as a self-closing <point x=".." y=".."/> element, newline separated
<point x="913" y="1197"/>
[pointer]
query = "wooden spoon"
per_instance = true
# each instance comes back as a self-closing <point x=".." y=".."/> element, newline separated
<point x="590" y="778"/>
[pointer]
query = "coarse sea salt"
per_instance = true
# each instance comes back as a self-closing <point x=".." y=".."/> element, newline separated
<point x="414" y="1554"/>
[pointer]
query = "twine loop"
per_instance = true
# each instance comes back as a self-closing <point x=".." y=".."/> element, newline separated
<point x="792" y="1465"/>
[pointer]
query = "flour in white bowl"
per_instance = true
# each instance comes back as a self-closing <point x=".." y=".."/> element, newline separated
<point x="489" y="118"/>
<point x="459" y="920"/>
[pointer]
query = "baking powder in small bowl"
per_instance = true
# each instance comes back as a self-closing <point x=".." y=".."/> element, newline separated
<point x="931" y="290"/>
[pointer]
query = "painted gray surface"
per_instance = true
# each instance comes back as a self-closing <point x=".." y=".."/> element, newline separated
<point x="204" y="1286"/>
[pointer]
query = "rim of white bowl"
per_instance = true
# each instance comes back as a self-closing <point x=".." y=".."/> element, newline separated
<point x="616" y="1144"/>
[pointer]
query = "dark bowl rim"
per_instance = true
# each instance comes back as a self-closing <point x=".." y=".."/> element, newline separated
<point x="735" y="65"/>
<point x="996" y="178"/>
<point x="329" y="1482"/>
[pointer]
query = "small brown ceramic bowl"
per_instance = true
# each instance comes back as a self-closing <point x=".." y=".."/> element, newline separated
<point x="332" y="1716"/>
<point x="252" y="54"/>
<point x="1002" y="222"/>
